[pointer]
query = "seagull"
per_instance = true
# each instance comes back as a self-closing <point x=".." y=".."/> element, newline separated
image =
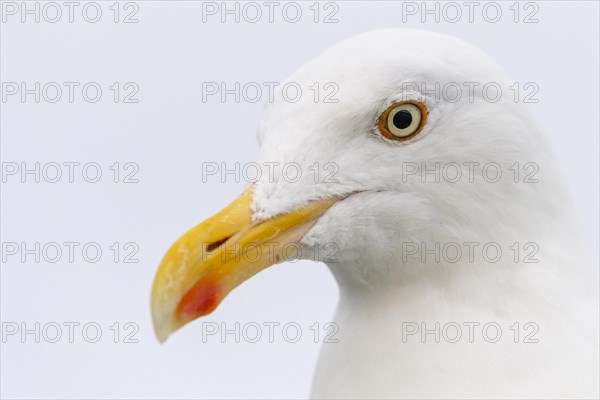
<point x="461" y="264"/>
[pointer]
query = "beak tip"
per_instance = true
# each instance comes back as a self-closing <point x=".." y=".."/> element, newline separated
<point x="163" y="324"/>
<point x="162" y="331"/>
<point x="161" y="338"/>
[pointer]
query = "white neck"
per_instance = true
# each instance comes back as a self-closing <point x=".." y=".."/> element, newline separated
<point x="380" y="354"/>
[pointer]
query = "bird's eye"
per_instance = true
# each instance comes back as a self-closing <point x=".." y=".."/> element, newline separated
<point x="402" y="120"/>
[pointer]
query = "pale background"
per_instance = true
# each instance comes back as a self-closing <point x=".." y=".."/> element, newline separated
<point x="169" y="133"/>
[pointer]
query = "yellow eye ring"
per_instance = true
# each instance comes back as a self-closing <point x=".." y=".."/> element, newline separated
<point x="402" y="120"/>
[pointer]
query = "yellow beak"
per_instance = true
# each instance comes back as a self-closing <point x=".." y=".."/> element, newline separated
<point x="216" y="256"/>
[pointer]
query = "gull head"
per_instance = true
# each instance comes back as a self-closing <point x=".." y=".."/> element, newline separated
<point x="387" y="138"/>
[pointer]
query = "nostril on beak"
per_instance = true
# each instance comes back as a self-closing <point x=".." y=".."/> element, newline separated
<point x="211" y="246"/>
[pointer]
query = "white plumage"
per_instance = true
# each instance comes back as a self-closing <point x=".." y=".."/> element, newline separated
<point x="382" y="290"/>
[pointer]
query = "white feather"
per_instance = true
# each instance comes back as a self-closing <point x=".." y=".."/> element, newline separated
<point x="381" y="290"/>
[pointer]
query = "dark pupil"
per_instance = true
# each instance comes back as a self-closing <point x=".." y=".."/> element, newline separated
<point x="402" y="119"/>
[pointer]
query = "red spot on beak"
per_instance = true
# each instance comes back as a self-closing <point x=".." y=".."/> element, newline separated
<point x="200" y="300"/>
